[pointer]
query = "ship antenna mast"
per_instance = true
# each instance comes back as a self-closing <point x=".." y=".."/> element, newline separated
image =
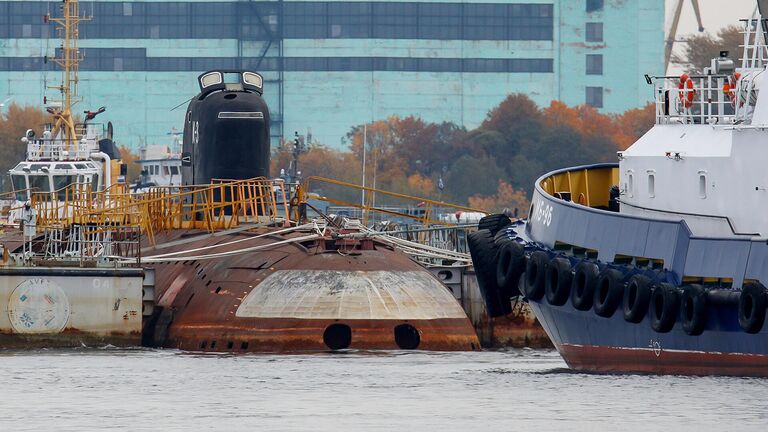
<point x="69" y="60"/>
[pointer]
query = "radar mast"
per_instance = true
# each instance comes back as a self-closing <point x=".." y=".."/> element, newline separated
<point x="68" y="59"/>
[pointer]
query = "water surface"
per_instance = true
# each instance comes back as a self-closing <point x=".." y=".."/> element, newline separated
<point x="520" y="390"/>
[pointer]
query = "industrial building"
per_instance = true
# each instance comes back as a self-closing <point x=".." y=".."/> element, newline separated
<point x="330" y="65"/>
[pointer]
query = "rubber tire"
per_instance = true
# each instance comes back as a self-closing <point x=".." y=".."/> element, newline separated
<point x="509" y="267"/>
<point x="637" y="297"/>
<point x="535" y="275"/>
<point x="484" y="254"/>
<point x="752" y="303"/>
<point x="608" y="292"/>
<point x="693" y="309"/>
<point x="583" y="285"/>
<point x="493" y="223"/>
<point x="664" y="306"/>
<point x="504" y="235"/>
<point x="557" y="286"/>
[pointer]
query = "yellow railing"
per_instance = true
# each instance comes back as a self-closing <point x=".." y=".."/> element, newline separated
<point x="222" y="204"/>
<point x="427" y="207"/>
<point x="589" y="186"/>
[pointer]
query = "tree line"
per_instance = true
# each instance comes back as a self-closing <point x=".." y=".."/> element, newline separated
<point x="491" y="167"/>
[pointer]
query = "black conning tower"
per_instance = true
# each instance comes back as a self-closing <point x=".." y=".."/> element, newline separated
<point x="226" y="129"/>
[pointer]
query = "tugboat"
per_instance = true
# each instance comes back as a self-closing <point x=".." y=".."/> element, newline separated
<point x="658" y="263"/>
<point x="66" y="152"/>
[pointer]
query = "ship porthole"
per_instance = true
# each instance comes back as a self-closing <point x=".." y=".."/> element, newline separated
<point x="337" y="336"/>
<point x="407" y="337"/>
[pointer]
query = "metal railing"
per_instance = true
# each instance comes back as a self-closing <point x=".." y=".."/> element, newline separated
<point x="400" y="205"/>
<point x="702" y="99"/>
<point x="58" y="150"/>
<point x="222" y="204"/>
<point x="85" y="243"/>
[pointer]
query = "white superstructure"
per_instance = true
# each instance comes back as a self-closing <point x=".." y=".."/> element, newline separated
<point x="706" y="159"/>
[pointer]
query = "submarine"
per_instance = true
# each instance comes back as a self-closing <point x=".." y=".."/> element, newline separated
<point x="281" y="285"/>
<point x="226" y="129"/>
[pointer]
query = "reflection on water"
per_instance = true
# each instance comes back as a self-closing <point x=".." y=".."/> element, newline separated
<point x="521" y="390"/>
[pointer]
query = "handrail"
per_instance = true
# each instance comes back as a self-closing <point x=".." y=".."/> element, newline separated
<point x="424" y="203"/>
<point x="219" y="205"/>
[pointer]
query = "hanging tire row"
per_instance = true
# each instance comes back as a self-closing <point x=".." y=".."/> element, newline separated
<point x="501" y="261"/>
<point x="634" y="293"/>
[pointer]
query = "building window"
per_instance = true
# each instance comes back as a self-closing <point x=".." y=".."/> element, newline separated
<point x="349" y="20"/>
<point x="594" y="5"/>
<point x="594" y="64"/>
<point x="594" y="32"/>
<point x="399" y="19"/>
<point x="440" y="21"/>
<point x="485" y="22"/>
<point x="595" y="97"/>
<point x="530" y="22"/>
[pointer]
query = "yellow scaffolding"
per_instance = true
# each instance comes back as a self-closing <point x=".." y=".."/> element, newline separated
<point x="223" y="204"/>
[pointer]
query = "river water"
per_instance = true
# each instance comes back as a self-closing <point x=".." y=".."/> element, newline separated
<point x="520" y="390"/>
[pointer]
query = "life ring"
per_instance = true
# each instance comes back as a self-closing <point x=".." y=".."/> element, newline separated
<point x="535" y="274"/>
<point x="693" y="309"/>
<point x="558" y="281"/>
<point x="752" y="303"/>
<point x="510" y="266"/>
<point x="686" y="93"/>
<point x="583" y="285"/>
<point x="665" y="305"/>
<point x="608" y="292"/>
<point x="637" y="296"/>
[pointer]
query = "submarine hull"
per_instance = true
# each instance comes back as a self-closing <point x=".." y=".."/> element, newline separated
<point x="301" y="297"/>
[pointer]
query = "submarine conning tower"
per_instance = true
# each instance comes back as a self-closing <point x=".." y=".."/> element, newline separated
<point x="226" y="129"/>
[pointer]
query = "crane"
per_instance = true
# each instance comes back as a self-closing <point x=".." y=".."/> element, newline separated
<point x="672" y="33"/>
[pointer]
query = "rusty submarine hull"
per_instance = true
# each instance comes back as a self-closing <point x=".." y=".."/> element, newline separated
<point x="306" y="295"/>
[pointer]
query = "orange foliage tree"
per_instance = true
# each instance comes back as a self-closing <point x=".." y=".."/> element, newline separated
<point x="505" y="198"/>
<point x="14" y="121"/>
<point x="491" y="167"/>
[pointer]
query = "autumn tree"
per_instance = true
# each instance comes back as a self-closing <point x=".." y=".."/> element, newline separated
<point x="129" y="158"/>
<point x="14" y="122"/>
<point x="495" y="163"/>
<point x="700" y="49"/>
<point x="505" y="198"/>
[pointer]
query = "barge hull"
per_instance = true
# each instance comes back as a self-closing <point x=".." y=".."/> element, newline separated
<point x="44" y="307"/>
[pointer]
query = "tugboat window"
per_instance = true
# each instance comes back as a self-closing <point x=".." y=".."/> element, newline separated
<point x="702" y="186"/>
<point x="19" y="185"/>
<point x="39" y="183"/>
<point x="651" y="185"/>
<point x="631" y="186"/>
<point x="60" y="184"/>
